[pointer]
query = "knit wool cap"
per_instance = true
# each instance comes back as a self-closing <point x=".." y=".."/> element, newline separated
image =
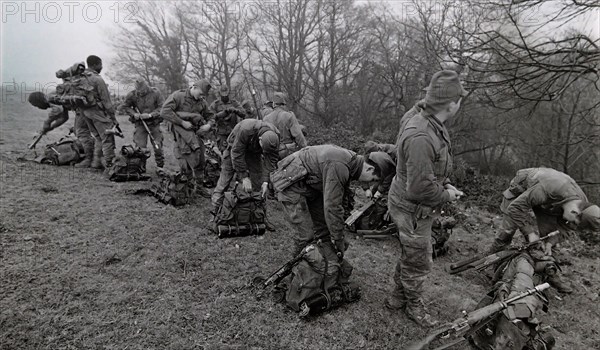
<point x="445" y="87"/>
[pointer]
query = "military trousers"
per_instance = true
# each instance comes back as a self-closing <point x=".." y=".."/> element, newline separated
<point x="140" y="138"/>
<point x="98" y="127"/>
<point x="227" y="178"/>
<point x="415" y="262"/>
<point x="89" y="138"/>
<point x="305" y="212"/>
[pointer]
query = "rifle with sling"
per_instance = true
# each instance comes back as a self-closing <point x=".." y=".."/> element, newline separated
<point x="480" y="262"/>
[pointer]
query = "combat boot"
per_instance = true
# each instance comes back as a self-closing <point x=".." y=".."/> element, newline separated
<point x="396" y="300"/>
<point x="559" y="284"/>
<point x="97" y="161"/>
<point x="419" y="315"/>
<point x="200" y="190"/>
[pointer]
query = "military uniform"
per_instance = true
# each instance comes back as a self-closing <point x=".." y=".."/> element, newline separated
<point x="101" y="117"/>
<point x="244" y="157"/>
<point x="189" y="144"/>
<point x="319" y="197"/>
<point x="146" y="100"/>
<point x="383" y="185"/>
<point x="227" y="115"/>
<point x="541" y="190"/>
<point x="291" y="133"/>
<point x="424" y="162"/>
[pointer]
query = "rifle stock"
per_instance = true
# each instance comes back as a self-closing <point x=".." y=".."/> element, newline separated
<point x="356" y="214"/>
<point x="471" y="318"/>
<point x="35" y="141"/>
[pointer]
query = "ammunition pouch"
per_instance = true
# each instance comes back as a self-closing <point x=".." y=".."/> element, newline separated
<point x="289" y="171"/>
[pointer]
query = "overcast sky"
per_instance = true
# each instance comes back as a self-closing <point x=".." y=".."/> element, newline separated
<point x="38" y="38"/>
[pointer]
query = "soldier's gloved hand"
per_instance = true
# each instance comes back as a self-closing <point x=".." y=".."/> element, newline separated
<point x="145" y="116"/>
<point x="136" y="116"/>
<point x="247" y="184"/>
<point x="368" y="193"/>
<point x="454" y="193"/>
<point x="377" y="195"/>
<point x="186" y="125"/>
<point x="204" y="128"/>
<point x="264" y="188"/>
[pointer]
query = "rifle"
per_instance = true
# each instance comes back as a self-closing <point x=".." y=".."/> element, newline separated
<point x="116" y="129"/>
<point x="283" y="271"/>
<point x="473" y="319"/>
<point x="152" y="141"/>
<point x="36" y="140"/>
<point x="357" y="213"/>
<point x="480" y="262"/>
<point x="386" y="232"/>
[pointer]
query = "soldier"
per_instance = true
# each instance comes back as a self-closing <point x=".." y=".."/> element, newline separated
<point x="419" y="188"/>
<point x="558" y="204"/>
<point x="100" y="117"/>
<point x="382" y="187"/>
<point x="267" y="108"/>
<point x="228" y="113"/>
<point x="145" y="103"/>
<point x="249" y="110"/>
<point x="57" y="116"/>
<point x="191" y="119"/>
<point x="249" y="142"/>
<point x="318" y="196"/>
<point x="287" y="124"/>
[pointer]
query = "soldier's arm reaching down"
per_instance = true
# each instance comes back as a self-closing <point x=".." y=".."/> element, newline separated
<point x="518" y="210"/>
<point x="335" y="177"/>
<point x="238" y="154"/>
<point x="296" y="132"/>
<point x="128" y="106"/>
<point x="158" y="103"/>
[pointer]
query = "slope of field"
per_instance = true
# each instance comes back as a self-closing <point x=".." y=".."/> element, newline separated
<point x="85" y="264"/>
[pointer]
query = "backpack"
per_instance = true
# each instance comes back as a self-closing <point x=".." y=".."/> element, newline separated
<point x="241" y="214"/>
<point x="75" y="92"/>
<point x="66" y="151"/>
<point x="129" y="165"/>
<point x="319" y="282"/>
<point x="174" y="188"/>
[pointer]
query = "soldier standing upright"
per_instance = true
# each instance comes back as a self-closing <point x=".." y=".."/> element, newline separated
<point x="190" y="118"/>
<point x="143" y="105"/>
<point x="100" y="117"/>
<point x="287" y="124"/>
<point x="420" y="187"/>
<point x="227" y="113"/>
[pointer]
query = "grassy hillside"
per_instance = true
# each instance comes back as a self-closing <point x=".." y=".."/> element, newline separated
<point x="85" y="264"/>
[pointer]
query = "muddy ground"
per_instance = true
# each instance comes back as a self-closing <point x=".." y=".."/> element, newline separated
<point x="85" y="264"/>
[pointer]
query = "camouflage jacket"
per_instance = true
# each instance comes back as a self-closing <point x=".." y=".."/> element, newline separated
<point x="104" y="111"/>
<point x="544" y="189"/>
<point x="244" y="139"/>
<point x="183" y="101"/>
<point x="288" y="126"/>
<point x="330" y="171"/>
<point x="423" y="163"/>
<point x="149" y="101"/>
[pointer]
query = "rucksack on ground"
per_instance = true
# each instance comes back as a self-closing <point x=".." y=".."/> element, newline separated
<point x="66" y="151"/>
<point x="319" y="282"/>
<point x="212" y="169"/>
<point x="241" y="214"/>
<point x="176" y="189"/>
<point x="129" y="165"/>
